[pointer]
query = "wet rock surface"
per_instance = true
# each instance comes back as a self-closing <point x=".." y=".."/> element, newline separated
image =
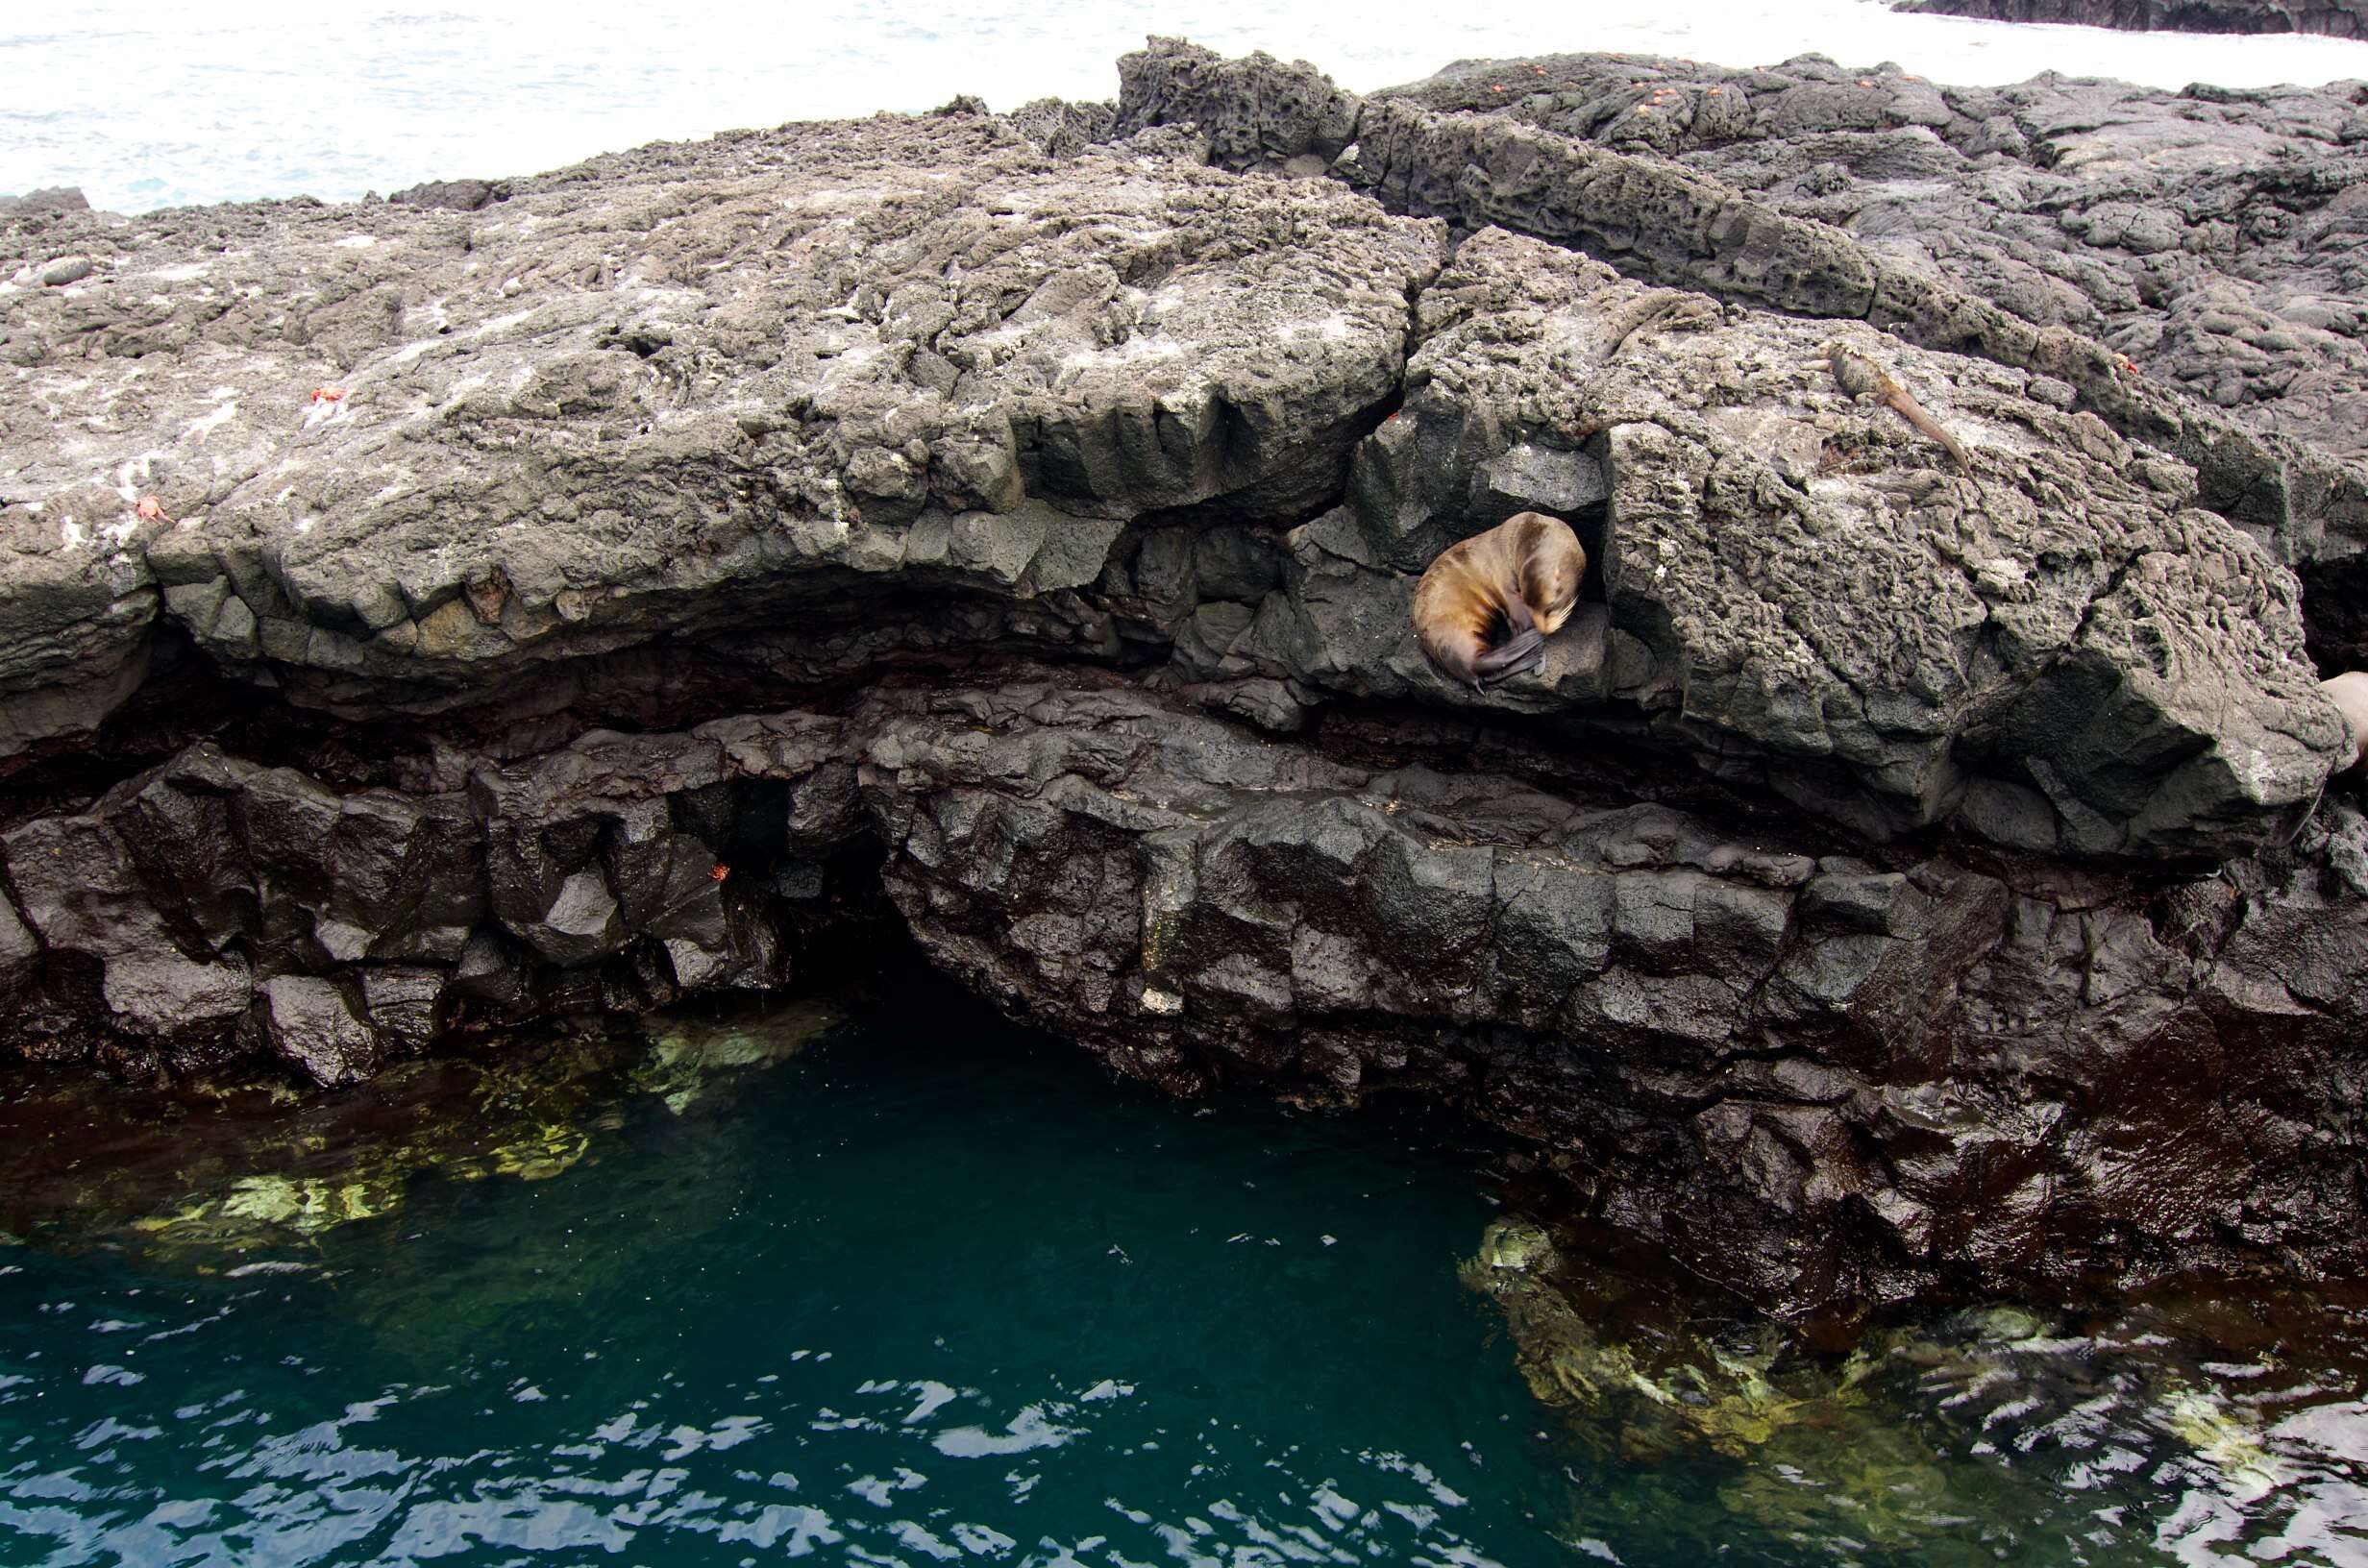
<point x="570" y="594"/>
<point x="1930" y="1420"/>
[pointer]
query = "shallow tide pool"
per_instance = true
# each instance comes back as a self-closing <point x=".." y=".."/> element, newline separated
<point x="910" y="1287"/>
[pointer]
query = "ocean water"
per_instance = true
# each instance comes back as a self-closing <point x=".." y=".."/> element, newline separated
<point x="931" y="1290"/>
<point x="907" y="1286"/>
<point x="156" y="103"/>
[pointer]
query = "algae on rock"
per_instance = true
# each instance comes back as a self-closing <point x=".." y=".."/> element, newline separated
<point x="1902" y="1439"/>
<point x="249" y="1171"/>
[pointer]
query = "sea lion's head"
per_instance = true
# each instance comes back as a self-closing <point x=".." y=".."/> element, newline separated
<point x="1553" y="563"/>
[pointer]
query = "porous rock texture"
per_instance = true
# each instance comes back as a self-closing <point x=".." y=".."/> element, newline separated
<point x="2334" y="18"/>
<point x="2185" y="268"/>
<point x="573" y="592"/>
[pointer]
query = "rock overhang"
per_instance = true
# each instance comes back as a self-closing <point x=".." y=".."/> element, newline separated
<point x="553" y="426"/>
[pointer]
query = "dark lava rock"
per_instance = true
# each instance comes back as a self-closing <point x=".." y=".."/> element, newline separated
<point x="50" y="199"/>
<point x="897" y="350"/>
<point x="1813" y="1077"/>
<point x="1802" y="590"/>
<point x="2182" y="266"/>
<point x="454" y="195"/>
<point x="2335" y="18"/>
<point x="312" y="1025"/>
<point x="1900" y="874"/>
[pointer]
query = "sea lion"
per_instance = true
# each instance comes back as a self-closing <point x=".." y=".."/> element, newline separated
<point x="2348" y="691"/>
<point x="1486" y="606"/>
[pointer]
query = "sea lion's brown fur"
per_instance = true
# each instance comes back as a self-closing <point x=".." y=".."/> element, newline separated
<point x="2348" y="691"/>
<point x="1485" y="607"/>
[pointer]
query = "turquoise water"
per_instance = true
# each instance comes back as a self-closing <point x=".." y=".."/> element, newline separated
<point x="904" y="1284"/>
<point x="933" y="1291"/>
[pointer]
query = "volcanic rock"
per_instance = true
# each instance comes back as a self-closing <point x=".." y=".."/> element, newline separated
<point x="425" y="616"/>
<point x="2335" y="18"/>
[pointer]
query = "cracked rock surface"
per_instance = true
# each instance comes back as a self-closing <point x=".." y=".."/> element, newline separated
<point x="548" y="595"/>
<point x="2061" y="649"/>
<point x="398" y="457"/>
<point x="2185" y="268"/>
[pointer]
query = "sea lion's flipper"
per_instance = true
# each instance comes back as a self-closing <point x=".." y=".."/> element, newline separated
<point x="1525" y="651"/>
<point x="1455" y="655"/>
<point x="1521" y="650"/>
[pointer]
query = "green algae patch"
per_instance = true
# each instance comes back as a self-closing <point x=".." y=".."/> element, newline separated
<point x="1912" y="1433"/>
<point x="689" y="1054"/>
<point x="302" y="1205"/>
<point x="213" y="1174"/>
<point x="264" y="1178"/>
<point x="1657" y="1388"/>
<point x="2228" y="1438"/>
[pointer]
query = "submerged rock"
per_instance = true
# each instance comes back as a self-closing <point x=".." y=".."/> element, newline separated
<point x="687" y="1055"/>
<point x="210" y="1175"/>
<point x="1984" y="1414"/>
<point x="215" y="1174"/>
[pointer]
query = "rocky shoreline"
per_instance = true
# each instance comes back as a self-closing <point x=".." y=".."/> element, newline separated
<point x="2332" y="18"/>
<point x="580" y="592"/>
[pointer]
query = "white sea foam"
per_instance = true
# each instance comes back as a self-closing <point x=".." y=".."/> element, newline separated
<point x="145" y="105"/>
